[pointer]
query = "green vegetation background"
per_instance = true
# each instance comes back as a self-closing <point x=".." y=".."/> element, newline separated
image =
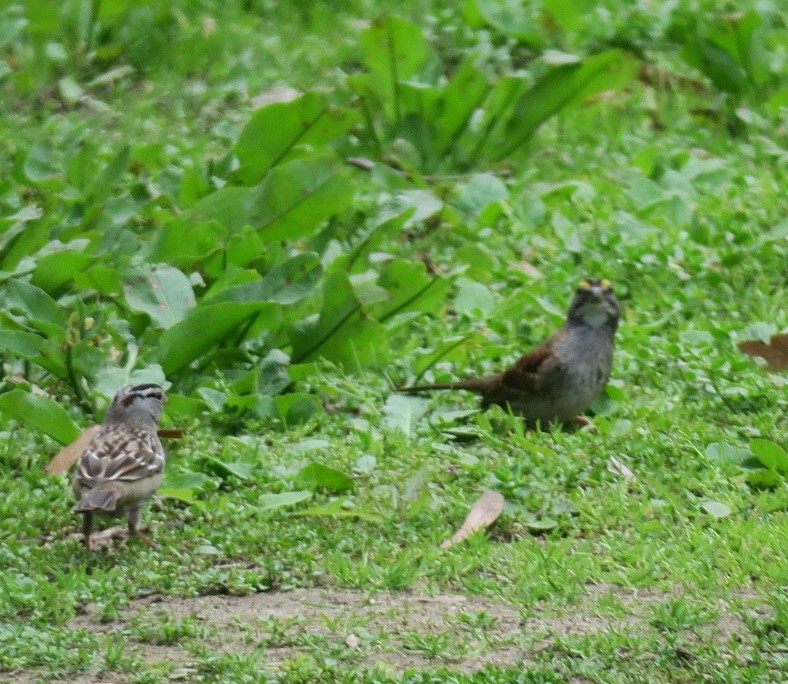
<point x="284" y="210"/>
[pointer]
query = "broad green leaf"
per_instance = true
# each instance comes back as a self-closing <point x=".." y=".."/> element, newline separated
<point x="104" y="182"/>
<point x="238" y="469"/>
<point x="473" y="297"/>
<point x="40" y="413"/>
<point x="394" y="50"/>
<point x="772" y="455"/>
<point x="229" y="207"/>
<point x="541" y="526"/>
<point x="727" y="453"/>
<point x="58" y="269"/>
<point x="111" y="378"/>
<point x="764" y="479"/>
<point x="180" y="408"/>
<point x="270" y="501"/>
<point x="24" y="344"/>
<point x="100" y="278"/>
<point x="297" y="408"/>
<point x="479" y="192"/>
<point x="164" y="293"/>
<point x="461" y="98"/>
<point x="750" y="45"/>
<point x="372" y="238"/>
<point x="342" y="332"/>
<point x="559" y="88"/>
<point x="295" y="198"/>
<point x="514" y="18"/>
<point x="275" y="133"/>
<point x="42" y="312"/>
<point x="402" y="412"/>
<point x="568" y="14"/>
<point x="183" y="485"/>
<point x="286" y="283"/>
<point x="716" y="509"/>
<point x="244" y="247"/>
<point x="181" y="242"/>
<point x="710" y="54"/>
<point x="409" y="289"/>
<point x="319" y="476"/>
<point x="205" y="327"/>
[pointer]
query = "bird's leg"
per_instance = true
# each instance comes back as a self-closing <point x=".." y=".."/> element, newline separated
<point x="87" y="528"/>
<point x="582" y="420"/>
<point x="134" y="527"/>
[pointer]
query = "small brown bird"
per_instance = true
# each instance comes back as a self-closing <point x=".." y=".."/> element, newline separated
<point x="563" y="377"/>
<point x="123" y="465"/>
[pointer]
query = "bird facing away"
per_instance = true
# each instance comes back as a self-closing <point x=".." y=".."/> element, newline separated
<point x="560" y="379"/>
<point x="123" y="465"/>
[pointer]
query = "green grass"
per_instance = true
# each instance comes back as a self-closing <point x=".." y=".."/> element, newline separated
<point x="589" y="575"/>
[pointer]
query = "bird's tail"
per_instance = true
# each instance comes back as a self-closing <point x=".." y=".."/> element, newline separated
<point x="97" y="500"/>
<point x="479" y="385"/>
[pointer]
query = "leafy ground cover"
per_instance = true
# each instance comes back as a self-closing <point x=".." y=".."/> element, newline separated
<point x="284" y="213"/>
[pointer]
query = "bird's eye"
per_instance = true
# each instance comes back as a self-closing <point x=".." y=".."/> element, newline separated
<point x="606" y="284"/>
<point x="584" y="285"/>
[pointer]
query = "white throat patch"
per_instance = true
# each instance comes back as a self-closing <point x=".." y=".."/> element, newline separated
<point x="593" y="315"/>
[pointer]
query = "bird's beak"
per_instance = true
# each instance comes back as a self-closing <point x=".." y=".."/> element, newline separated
<point x="597" y="292"/>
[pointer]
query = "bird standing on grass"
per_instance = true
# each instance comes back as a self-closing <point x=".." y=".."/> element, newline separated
<point x="560" y="379"/>
<point x="123" y="465"/>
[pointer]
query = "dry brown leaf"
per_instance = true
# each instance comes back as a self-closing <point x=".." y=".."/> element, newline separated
<point x="775" y="353"/>
<point x="483" y="514"/>
<point x="69" y="455"/>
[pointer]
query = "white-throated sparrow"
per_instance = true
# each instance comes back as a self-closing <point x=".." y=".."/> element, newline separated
<point x="560" y="379"/>
<point x="123" y="464"/>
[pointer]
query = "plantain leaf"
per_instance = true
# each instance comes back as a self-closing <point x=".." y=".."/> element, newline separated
<point x="286" y="283"/>
<point x="394" y="51"/>
<point x="561" y="87"/>
<point x="410" y="289"/>
<point x="42" y="312"/>
<point x="206" y="326"/>
<point x="342" y="332"/>
<point x="319" y="476"/>
<point x="40" y="413"/>
<point x="277" y="132"/>
<point x="771" y="455"/>
<point x="164" y="293"/>
<point x="24" y="344"/>
<point x="269" y="501"/>
<point x="296" y="198"/>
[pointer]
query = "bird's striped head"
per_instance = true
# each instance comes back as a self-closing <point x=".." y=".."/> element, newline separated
<point x="595" y="304"/>
<point x="137" y="404"/>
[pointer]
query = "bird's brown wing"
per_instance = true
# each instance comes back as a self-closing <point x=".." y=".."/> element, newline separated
<point x="533" y="371"/>
<point x="121" y="453"/>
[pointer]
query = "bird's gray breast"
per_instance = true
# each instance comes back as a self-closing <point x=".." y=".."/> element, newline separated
<point x="586" y="359"/>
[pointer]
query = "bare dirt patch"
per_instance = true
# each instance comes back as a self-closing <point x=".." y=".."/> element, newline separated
<point x="396" y="631"/>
